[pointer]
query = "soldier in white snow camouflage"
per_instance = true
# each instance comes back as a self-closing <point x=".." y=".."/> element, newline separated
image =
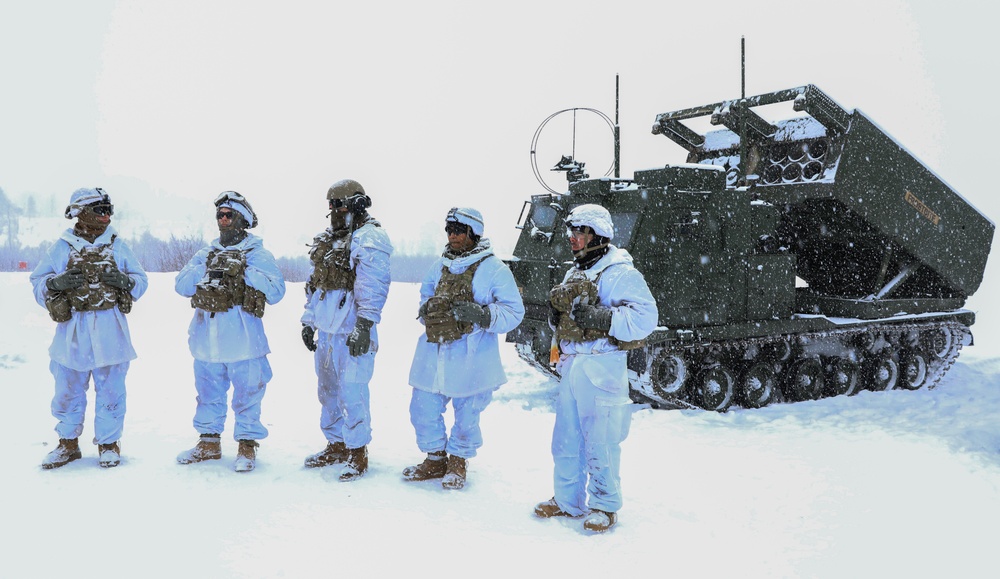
<point x="344" y="299"/>
<point x="602" y="308"/>
<point x="229" y="283"/>
<point x="87" y="281"/>
<point x="467" y="298"/>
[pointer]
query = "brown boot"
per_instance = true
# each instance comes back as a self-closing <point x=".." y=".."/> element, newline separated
<point x="599" y="521"/>
<point x="334" y="453"/>
<point x="357" y="464"/>
<point x="550" y="508"/>
<point x="67" y="451"/>
<point x="246" y="456"/>
<point x="434" y="466"/>
<point x="454" y="479"/>
<point x="110" y="455"/>
<point x="209" y="447"/>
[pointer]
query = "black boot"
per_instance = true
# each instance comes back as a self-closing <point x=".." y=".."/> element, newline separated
<point x="357" y="464"/>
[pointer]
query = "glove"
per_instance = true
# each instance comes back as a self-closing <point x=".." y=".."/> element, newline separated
<point x="422" y="312"/>
<point x="471" y="312"/>
<point x="308" y="337"/>
<point x="554" y="316"/>
<point x="118" y="279"/>
<point x="360" y="340"/>
<point x="69" y="279"/>
<point x="592" y="317"/>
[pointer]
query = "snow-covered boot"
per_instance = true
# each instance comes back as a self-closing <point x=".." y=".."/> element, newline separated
<point x="434" y="466"/>
<point x="454" y="479"/>
<point x="209" y="447"/>
<point x="334" y="453"/>
<point x="67" y="451"/>
<point x="357" y="464"/>
<point x="599" y="521"/>
<point x="246" y="456"/>
<point x="110" y="455"/>
<point x="551" y="508"/>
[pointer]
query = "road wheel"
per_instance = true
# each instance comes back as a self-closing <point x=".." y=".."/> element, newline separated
<point x="715" y="389"/>
<point x="758" y="385"/>
<point x="842" y="377"/>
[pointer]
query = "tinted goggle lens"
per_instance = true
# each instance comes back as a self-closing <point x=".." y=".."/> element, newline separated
<point x="108" y="210"/>
<point x="453" y="228"/>
<point x="337" y="203"/>
<point x="227" y="214"/>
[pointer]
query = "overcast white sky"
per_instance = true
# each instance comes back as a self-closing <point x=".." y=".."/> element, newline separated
<point x="433" y="104"/>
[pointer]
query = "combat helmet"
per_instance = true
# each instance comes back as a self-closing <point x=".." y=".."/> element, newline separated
<point x="349" y="193"/>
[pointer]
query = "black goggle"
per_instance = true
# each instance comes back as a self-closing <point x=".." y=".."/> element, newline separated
<point x="338" y="203"/>
<point x="108" y="209"/>
<point x="454" y="228"/>
<point x="227" y="214"/>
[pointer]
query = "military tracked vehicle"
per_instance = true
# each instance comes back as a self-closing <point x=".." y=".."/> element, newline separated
<point x="831" y="260"/>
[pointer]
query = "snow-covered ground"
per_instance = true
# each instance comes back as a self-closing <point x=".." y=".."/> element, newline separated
<point x="896" y="484"/>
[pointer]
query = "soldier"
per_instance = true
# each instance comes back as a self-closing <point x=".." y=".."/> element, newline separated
<point x="602" y="309"/>
<point x="466" y="299"/>
<point x="344" y="299"/>
<point x="229" y="283"/>
<point x="88" y="281"/>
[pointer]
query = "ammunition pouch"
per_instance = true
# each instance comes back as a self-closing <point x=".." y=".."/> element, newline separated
<point x="94" y="294"/>
<point x="439" y="320"/>
<point x="224" y="287"/>
<point x="331" y="259"/>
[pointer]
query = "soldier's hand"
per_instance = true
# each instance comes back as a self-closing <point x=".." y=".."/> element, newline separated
<point x="308" y="337"/>
<point x="69" y="279"/>
<point x="359" y="342"/>
<point x="422" y="312"/>
<point x="592" y="317"/>
<point x="118" y="279"/>
<point x="554" y="316"/>
<point x="471" y="312"/>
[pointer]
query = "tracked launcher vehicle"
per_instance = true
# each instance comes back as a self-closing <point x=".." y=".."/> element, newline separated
<point x="832" y="261"/>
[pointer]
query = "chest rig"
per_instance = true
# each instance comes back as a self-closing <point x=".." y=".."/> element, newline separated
<point x="94" y="294"/>
<point x="579" y="289"/>
<point x="223" y="286"/>
<point x="439" y="321"/>
<point x="331" y="259"/>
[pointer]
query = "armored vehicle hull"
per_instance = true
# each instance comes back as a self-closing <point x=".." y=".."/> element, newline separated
<point x="831" y="261"/>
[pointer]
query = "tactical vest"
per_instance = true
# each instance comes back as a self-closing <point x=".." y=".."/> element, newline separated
<point x="331" y="259"/>
<point x="439" y="321"/>
<point x="580" y="290"/>
<point x="223" y="286"/>
<point x="94" y="294"/>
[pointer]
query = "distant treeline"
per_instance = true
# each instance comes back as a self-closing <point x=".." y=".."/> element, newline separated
<point x="158" y="255"/>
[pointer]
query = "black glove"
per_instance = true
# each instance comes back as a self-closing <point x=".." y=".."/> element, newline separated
<point x="118" y="279"/>
<point x="471" y="312"/>
<point x="308" y="337"/>
<point x="554" y="316"/>
<point x="360" y="340"/>
<point x="592" y="317"/>
<point x="422" y="312"/>
<point x="69" y="279"/>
